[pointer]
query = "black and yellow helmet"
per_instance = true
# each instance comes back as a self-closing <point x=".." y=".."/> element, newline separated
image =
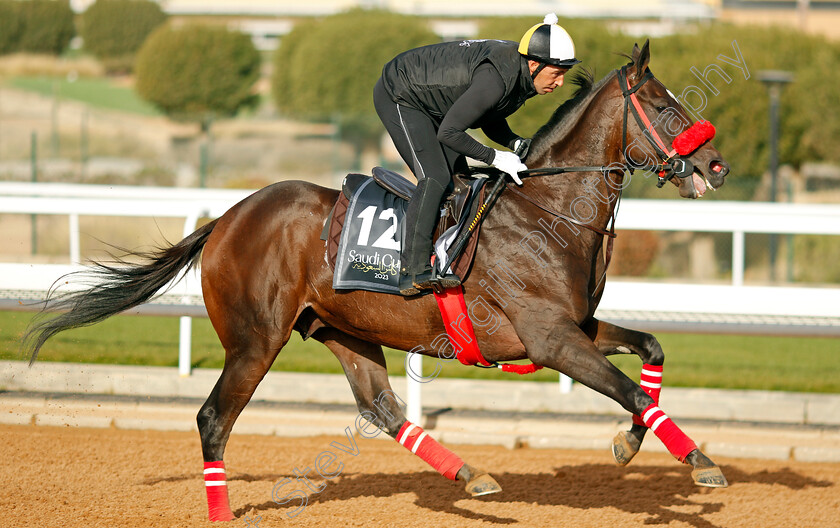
<point x="549" y="43"/>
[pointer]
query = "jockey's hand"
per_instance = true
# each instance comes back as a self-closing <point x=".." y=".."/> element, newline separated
<point x="510" y="163"/>
<point x="520" y="147"/>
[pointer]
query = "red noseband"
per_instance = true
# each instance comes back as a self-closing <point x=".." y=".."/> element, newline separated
<point x="692" y="138"/>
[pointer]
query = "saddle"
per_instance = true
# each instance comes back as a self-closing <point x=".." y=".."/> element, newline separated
<point x="462" y="203"/>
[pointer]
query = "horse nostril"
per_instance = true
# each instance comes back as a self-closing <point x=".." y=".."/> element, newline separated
<point x="719" y="167"/>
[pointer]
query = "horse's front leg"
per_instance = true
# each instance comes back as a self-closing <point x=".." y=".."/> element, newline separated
<point x="567" y="349"/>
<point x="611" y="339"/>
<point x="379" y="407"/>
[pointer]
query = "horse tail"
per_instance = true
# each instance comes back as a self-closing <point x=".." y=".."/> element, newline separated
<point x="113" y="289"/>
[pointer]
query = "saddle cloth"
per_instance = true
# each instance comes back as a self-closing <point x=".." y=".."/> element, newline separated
<point x="365" y="229"/>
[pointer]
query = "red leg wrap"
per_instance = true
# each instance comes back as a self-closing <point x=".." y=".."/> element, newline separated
<point x="674" y="439"/>
<point x="415" y="439"/>
<point x="217" y="496"/>
<point x="652" y="384"/>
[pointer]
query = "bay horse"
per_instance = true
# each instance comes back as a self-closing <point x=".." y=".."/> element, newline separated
<point x="533" y="288"/>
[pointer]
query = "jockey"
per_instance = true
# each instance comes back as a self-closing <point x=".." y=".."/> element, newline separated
<point x="429" y="96"/>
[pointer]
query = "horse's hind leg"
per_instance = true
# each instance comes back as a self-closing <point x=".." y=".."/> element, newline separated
<point x="248" y="358"/>
<point x="611" y="339"/>
<point x="364" y="365"/>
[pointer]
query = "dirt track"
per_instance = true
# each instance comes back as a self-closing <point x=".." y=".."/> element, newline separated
<point x="106" y="477"/>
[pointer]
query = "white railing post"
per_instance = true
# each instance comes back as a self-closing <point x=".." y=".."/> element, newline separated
<point x="185" y="346"/>
<point x="185" y="329"/>
<point x="75" y="245"/>
<point x="565" y="384"/>
<point x="414" y="405"/>
<point x="737" y="258"/>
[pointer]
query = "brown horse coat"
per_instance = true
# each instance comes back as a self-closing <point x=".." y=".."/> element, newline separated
<point x="532" y="292"/>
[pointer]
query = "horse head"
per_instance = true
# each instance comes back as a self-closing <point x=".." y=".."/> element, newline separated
<point x="662" y="132"/>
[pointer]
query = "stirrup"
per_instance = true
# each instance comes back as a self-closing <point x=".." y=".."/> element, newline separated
<point x="441" y="284"/>
<point x="438" y="283"/>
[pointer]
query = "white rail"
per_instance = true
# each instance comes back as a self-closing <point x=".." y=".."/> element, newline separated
<point x="104" y="200"/>
<point x="817" y="309"/>
<point x="737" y="218"/>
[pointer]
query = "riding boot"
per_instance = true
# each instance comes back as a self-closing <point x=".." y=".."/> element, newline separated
<point x="418" y="239"/>
<point x="420" y="220"/>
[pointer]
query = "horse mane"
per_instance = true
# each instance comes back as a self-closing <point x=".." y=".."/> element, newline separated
<point x="563" y="117"/>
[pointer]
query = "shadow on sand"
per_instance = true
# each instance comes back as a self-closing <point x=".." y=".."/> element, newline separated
<point x="654" y="491"/>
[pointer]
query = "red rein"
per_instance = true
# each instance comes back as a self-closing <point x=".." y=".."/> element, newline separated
<point x="690" y="140"/>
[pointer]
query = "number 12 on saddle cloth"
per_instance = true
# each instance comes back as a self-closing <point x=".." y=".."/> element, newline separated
<point x="364" y="236"/>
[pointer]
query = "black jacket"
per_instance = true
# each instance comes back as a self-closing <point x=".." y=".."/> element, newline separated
<point x="432" y="78"/>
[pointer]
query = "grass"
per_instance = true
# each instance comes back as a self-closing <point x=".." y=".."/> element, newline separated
<point x="97" y="92"/>
<point x="711" y="361"/>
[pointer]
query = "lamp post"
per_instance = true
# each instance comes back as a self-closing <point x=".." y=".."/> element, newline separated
<point x="774" y="80"/>
<point x="802" y="8"/>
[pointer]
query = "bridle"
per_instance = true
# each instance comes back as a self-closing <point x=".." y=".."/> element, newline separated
<point x="670" y="162"/>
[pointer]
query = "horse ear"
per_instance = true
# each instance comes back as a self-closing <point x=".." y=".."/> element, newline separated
<point x="642" y="58"/>
<point x="635" y="55"/>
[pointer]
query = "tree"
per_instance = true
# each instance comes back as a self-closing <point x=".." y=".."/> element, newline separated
<point x="325" y="70"/>
<point x="10" y="25"/>
<point x="113" y="30"/>
<point x="46" y="26"/>
<point x="197" y="72"/>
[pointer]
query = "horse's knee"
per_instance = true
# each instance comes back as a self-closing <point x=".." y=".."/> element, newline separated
<point x="653" y="351"/>
<point x="212" y="437"/>
<point x="206" y="420"/>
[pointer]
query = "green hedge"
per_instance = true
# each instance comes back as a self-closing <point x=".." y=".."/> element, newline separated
<point x="326" y="70"/>
<point x="113" y="30"/>
<point x="46" y="26"/>
<point x="35" y="26"/>
<point x="10" y="26"/>
<point x="196" y="72"/>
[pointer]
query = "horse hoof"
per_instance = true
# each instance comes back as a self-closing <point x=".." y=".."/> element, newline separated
<point x="710" y="477"/>
<point x="483" y="485"/>
<point x="623" y="452"/>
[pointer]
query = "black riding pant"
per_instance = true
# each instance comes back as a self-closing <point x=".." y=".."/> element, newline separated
<point x="415" y="136"/>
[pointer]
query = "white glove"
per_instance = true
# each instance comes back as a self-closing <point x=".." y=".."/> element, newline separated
<point x="510" y="163"/>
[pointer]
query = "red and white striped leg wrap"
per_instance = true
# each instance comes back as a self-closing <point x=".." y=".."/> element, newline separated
<point x="674" y="439"/>
<point x="415" y="439"/>
<point x="217" y="496"/>
<point x="652" y="384"/>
